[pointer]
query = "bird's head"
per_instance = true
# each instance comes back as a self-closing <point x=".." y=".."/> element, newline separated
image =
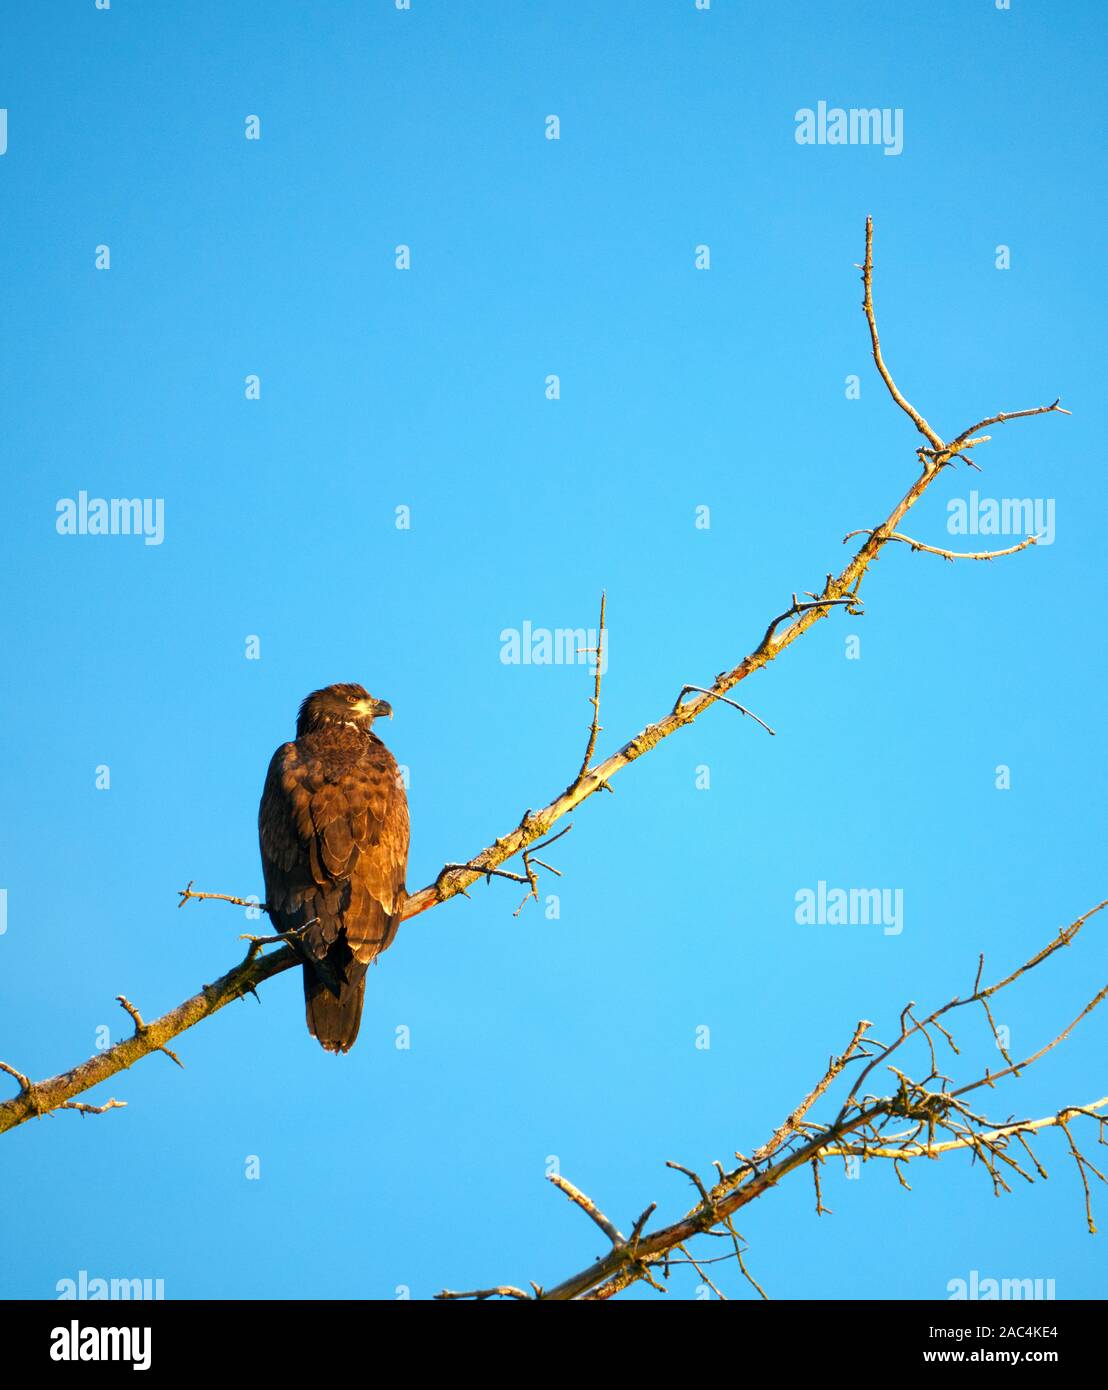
<point x="336" y="705"/>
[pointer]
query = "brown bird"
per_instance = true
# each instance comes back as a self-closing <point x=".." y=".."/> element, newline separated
<point x="333" y="828"/>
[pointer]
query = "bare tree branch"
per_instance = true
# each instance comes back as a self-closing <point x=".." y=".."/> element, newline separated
<point x="838" y="590"/>
<point x="187" y="895"/>
<point x="860" y="1131"/>
<point x="37" y="1098"/>
<point x="742" y="709"/>
<point x="950" y="554"/>
<point x="588" y="1206"/>
<point x="594" y="728"/>
<point x="501" y="1291"/>
<point x="894" y="391"/>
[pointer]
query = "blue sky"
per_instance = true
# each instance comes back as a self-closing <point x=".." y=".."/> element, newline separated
<point x="425" y="389"/>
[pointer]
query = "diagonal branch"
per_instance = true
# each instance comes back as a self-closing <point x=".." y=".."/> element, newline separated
<point x="838" y="590"/>
<point x="40" y="1097"/>
<point x="589" y="1207"/>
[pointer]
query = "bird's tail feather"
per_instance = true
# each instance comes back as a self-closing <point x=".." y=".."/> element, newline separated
<point x="333" y="1019"/>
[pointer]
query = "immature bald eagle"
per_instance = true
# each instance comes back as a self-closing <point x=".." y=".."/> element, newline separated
<point x="333" y="827"/>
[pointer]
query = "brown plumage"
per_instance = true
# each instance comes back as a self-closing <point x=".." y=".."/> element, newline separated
<point x="333" y="828"/>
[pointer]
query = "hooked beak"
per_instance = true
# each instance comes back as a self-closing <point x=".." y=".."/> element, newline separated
<point x="382" y="709"/>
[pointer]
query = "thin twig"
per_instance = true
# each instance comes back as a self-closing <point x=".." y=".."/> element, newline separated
<point x="500" y="1291"/>
<point x="141" y="1029"/>
<point x="187" y="895"/>
<point x="588" y="1206"/>
<point x="894" y="391"/>
<point x="742" y="709"/>
<point x="949" y="554"/>
<point x="594" y="728"/>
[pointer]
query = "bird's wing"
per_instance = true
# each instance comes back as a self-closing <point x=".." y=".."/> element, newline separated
<point x="334" y="841"/>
